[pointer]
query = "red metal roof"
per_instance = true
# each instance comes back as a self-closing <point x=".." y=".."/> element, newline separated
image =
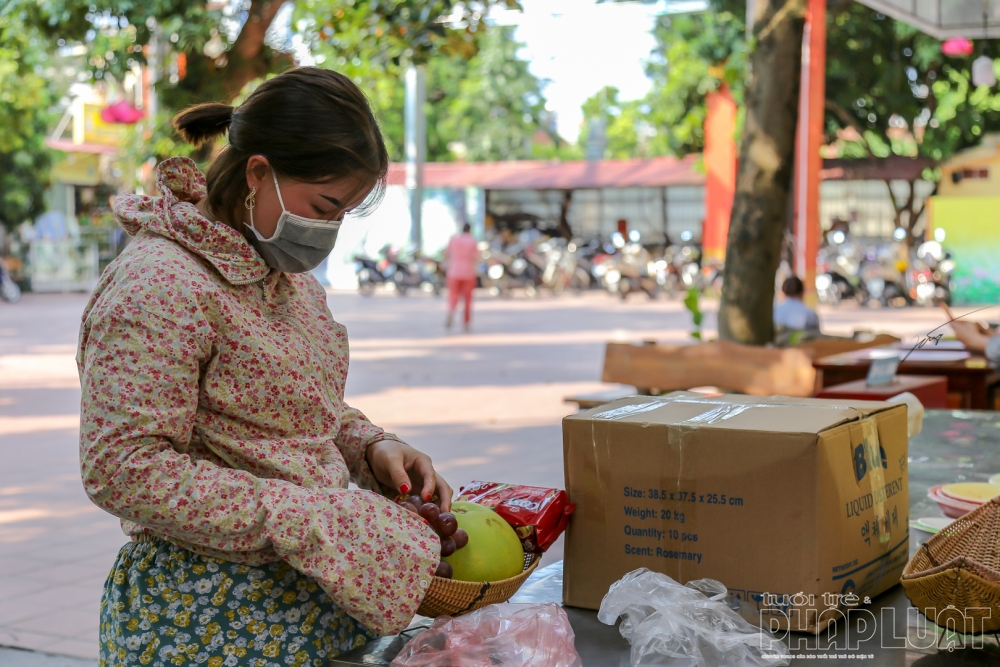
<point x="652" y="173"/>
<point x="538" y="175"/>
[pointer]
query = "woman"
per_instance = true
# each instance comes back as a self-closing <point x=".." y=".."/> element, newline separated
<point x="213" y="414"/>
<point x="462" y="254"/>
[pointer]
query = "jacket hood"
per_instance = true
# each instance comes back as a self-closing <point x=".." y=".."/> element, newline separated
<point x="175" y="216"/>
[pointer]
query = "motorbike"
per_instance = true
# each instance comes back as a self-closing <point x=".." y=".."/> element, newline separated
<point x="417" y="272"/>
<point x="586" y="254"/>
<point x="560" y="267"/>
<point x="838" y="272"/>
<point x="369" y="275"/>
<point x="883" y="280"/>
<point x="9" y="291"/>
<point x="929" y="275"/>
<point x="632" y="269"/>
<point x="508" y="268"/>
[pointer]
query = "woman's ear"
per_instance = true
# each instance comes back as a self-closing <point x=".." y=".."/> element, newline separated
<point x="257" y="169"/>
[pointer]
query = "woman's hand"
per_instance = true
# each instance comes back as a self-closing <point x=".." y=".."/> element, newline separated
<point x="974" y="336"/>
<point x="401" y="467"/>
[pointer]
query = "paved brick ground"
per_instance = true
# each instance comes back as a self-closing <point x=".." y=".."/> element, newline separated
<point x="485" y="406"/>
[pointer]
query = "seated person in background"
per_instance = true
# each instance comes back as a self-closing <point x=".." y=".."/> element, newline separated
<point x="792" y="313"/>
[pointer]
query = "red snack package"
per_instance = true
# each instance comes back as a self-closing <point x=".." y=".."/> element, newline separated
<point x="538" y="515"/>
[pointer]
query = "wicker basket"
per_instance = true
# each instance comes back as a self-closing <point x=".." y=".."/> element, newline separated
<point x="454" y="598"/>
<point x="954" y="578"/>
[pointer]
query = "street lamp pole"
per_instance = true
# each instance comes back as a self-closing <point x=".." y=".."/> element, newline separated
<point x="416" y="149"/>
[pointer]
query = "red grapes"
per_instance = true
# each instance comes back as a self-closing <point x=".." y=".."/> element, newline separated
<point x="447" y="524"/>
<point x="461" y="538"/>
<point x="431" y="512"/>
<point x="448" y="546"/>
<point x="444" y="524"/>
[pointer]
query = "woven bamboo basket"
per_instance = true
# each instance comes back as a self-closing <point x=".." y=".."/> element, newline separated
<point x="954" y="578"/>
<point x="454" y="598"/>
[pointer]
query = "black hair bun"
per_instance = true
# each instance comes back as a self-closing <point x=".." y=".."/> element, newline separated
<point x="203" y="122"/>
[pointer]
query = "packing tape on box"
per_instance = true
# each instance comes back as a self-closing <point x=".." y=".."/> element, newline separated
<point x="631" y="409"/>
<point x="716" y="412"/>
<point x="679" y="437"/>
<point x="873" y="451"/>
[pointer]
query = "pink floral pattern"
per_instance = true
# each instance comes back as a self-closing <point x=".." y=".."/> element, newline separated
<point x="213" y="412"/>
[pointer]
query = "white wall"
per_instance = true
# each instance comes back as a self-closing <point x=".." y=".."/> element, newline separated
<point x="389" y="224"/>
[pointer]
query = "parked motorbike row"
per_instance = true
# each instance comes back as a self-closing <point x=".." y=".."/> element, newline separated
<point x="884" y="275"/>
<point x="398" y="273"/>
<point x="533" y="263"/>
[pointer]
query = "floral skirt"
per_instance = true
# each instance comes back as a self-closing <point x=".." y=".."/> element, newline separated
<point x="164" y="605"/>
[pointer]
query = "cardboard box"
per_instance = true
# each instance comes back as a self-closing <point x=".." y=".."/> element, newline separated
<point x="796" y="505"/>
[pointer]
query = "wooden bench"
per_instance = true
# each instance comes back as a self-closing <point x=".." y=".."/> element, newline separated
<point x="761" y="371"/>
<point x="744" y="369"/>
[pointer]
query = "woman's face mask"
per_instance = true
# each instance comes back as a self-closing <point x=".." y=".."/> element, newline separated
<point x="298" y="243"/>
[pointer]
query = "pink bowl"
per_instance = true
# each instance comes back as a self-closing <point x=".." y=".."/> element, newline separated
<point x="949" y="506"/>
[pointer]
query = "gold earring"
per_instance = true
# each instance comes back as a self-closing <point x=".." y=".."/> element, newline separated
<point x="251" y="201"/>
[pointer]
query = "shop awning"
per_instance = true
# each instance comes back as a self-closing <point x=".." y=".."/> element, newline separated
<point x="944" y="18"/>
<point x="68" y="146"/>
<point x="576" y="175"/>
<point x="661" y="172"/>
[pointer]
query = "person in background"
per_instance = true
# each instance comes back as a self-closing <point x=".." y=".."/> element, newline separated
<point x="461" y="254"/>
<point x="976" y="338"/>
<point x="792" y="313"/>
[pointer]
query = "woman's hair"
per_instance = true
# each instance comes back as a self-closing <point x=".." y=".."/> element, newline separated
<point x="312" y="124"/>
<point x="466" y="228"/>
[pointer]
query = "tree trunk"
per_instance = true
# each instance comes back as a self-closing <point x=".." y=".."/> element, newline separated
<point x="764" y="176"/>
<point x="249" y="58"/>
<point x="564" y="227"/>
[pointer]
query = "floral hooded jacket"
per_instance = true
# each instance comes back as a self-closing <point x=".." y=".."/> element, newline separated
<point x="213" y="412"/>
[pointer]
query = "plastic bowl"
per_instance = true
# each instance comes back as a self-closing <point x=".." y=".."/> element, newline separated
<point x="949" y="506"/>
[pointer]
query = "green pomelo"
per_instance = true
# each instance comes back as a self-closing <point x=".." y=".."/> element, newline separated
<point x="493" y="552"/>
<point x="466" y="506"/>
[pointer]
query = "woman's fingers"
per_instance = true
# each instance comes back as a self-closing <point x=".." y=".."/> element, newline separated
<point x="397" y="472"/>
<point x="444" y="490"/>
<point x="423" y="467"/>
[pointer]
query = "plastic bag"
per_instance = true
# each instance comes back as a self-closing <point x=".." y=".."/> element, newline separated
<point x="914" y="412"/>
<point x="668" y="624"/>
<point x="512" y="635"/>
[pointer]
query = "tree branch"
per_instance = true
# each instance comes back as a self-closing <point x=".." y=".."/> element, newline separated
<point x="896" y="206"/>
<point x="846" y="119"/>
<point x="259" y="18"/>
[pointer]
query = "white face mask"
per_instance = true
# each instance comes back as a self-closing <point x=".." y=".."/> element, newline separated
<point x="298" y="244"/>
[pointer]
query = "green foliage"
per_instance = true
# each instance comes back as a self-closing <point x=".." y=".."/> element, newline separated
<point x="369" y="40"/>
<point x="379" y="34"/>
<point x="692" y="305"/>
<point x="626" y="129"/>
<point x="891" y="85"/>
<point x="481" y="97"/>
<point x="889" y="89"/>
<point x="25" y="102"/>
<point x="695" y="55"/>
<point x="499" y="105"/>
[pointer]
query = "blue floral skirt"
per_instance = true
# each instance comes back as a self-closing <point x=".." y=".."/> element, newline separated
<point x="164" y="605"/>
